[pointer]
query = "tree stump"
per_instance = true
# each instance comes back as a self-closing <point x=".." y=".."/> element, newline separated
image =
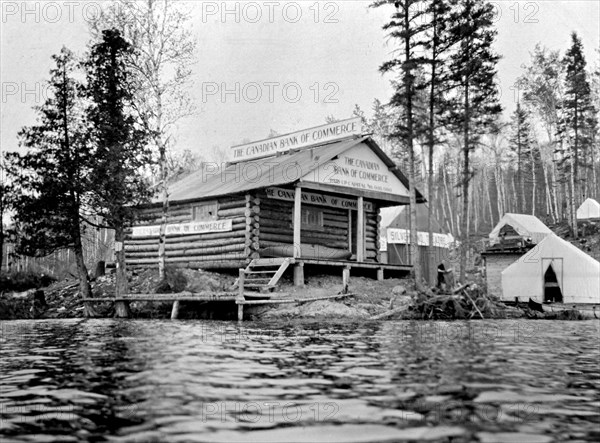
<point x="122" y="309"/>
<point x="38" y="303"/>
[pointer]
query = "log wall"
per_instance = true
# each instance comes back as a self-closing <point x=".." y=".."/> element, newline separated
<point x="276" y="227"/>
<point x="209" y="250"/>
<point x="257" y="222"/>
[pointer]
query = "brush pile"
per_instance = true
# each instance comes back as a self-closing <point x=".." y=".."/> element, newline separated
<point x="467" y="302"/>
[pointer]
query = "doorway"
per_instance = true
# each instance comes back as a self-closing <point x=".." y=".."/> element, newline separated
<point x="552" y="290"/>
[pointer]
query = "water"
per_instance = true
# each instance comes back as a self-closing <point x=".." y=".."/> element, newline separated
<point x="110" y="380"/>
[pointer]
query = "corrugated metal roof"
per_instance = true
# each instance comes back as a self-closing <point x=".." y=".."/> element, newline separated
<point x="271" y="171"/>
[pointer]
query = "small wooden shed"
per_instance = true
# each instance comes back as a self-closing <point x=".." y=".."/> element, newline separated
<point x="395" y="244"/>
<point x="311" y="197"/>
<point x="511" y="238"/>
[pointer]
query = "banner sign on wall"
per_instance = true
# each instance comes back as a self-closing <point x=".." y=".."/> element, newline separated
<point x="402" y="236"/>
<point x="200" y="227"/>
<point x="312" y="198"/>
<point x="296" y="140"/>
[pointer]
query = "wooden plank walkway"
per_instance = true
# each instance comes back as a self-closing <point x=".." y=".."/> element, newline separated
<point x="181" y="296"/>
<point x="283" y="300"/>
<point x="354" y="264"/>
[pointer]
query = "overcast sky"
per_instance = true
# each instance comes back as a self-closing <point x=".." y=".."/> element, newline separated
<point x="305" y="61"/>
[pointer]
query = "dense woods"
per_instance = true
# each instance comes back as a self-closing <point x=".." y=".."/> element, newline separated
<point x="473" y="164"/>
<point x="112" y="113"/>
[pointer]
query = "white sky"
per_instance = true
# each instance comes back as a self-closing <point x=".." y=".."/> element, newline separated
<point x="333" y="63"/>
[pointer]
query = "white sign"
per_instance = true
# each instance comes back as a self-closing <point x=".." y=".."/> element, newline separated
<point x="358" y="168"/>
<point x="296" y="140"/>
<point x="201" y="227"/>
<point x="402" y="236"/>
<point x="317" y="199"/>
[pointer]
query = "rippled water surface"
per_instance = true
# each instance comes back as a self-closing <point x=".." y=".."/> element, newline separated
<point x="522" y="381"/>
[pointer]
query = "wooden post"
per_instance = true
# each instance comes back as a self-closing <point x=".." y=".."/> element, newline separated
<point x="240" y="297"/>
<point x="175" y="310"/>
<point x="349" y="229"/>
<point x="299" y="274"/>
<point x="297" y="221"/>
<point x="345" y="279"/>
<point x="360" y="230"/>
<point x="380" y="274"/>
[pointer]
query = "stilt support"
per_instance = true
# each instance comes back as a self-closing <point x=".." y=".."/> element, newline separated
<point x="122" y="309"/>
<point x="299" y="274"/>
<point x="175" y="310"/>
<point x="345" y="279"/>
<point x="240" y="297"/>
<point x="379" y="274"/>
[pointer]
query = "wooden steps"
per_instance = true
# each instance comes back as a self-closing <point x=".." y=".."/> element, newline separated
<point x="263" y="274"/>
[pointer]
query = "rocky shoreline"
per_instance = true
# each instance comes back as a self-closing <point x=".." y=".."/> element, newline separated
<point x="391" y="299"/>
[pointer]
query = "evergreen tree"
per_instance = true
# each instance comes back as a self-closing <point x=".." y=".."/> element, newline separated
<point x="407" y="27"/>
<point x="476" y="105"/>
<point x="521" y="144"/>
<point x="577" y="122"/>
<point x="161" y="77"/>
<point x="5" y="193"/>
<point x="437" y="44"/>
<point x="50" y="180"/>
<point x="120" y="142"/>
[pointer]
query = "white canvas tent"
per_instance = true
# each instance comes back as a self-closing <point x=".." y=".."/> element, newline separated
<point x="589" y="210"/>
<point x="577" y="275"/>
<point x="525" y="225"/>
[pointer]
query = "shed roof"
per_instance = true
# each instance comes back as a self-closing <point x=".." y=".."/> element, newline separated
<point x="525" y="225"/>
<point x="276" y="170"/>
<point x="397" y="217"/>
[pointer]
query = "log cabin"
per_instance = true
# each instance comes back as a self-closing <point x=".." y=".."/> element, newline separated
<point x="307" y="198"/>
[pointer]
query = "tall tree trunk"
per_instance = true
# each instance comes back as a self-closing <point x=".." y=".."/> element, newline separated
<point x="521" y="198"/>
<point x="549" y="208"/>
<point x="533" y="178"/>
<point x="490" y="208"/>
<point x="572" y="212"/>
<point x="596" y="187"/>
<point x="451" y="220"/>
<point x="408" y="85"/>
<point x="121" y="307"/>
<point x="84" y="284"/>
<point x="162" y="150"/>
<point x="553" y="192"/>
<point x="162" y="237"/>
<point x="431" y="142"/>
<point x="465" y="189"/>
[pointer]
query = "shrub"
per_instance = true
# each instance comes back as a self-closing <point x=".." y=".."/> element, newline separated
<point x="23" y="280"/>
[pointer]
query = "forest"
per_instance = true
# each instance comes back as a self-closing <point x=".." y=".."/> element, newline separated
<point x="113" y="112"/>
